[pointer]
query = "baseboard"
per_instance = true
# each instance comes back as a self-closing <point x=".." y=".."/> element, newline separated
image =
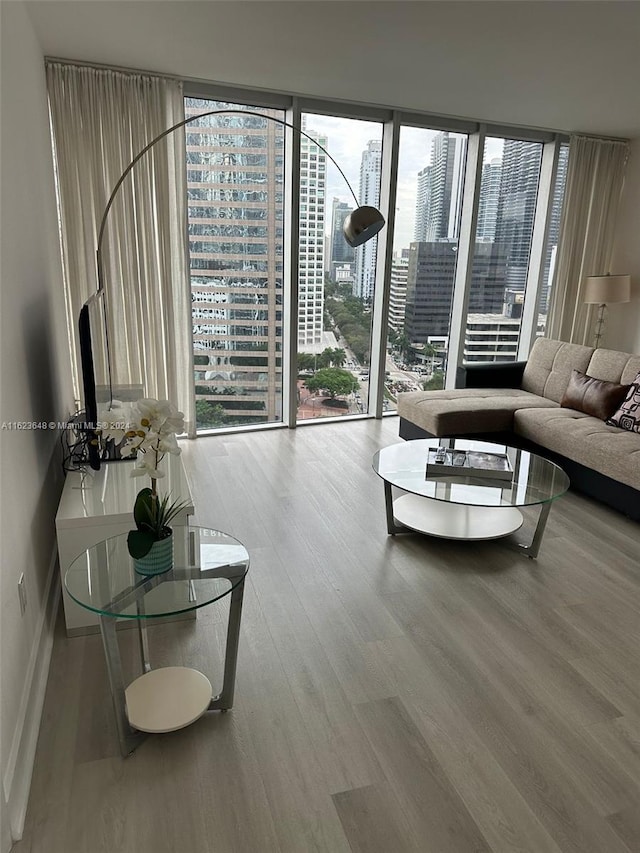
<point x="17" y="780"/>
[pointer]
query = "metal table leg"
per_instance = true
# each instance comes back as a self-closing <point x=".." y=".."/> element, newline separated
<point x="531" y="550"/>
<point x="224" y="700"/>
<point x="142" y="636"/>
<point x="392" y="527"/>
<point x="129" y="737"/>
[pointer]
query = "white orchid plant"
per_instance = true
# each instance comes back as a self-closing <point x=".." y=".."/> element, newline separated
<point x="149" y="432"/>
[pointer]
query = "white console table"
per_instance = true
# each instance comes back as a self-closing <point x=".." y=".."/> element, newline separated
<point x="98" y="504"/>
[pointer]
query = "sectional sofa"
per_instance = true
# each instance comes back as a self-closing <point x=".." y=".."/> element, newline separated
<point x="528" y="404"/>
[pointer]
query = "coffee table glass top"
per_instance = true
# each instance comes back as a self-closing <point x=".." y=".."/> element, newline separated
<point x="535" y="480"/>
<point x="208" y="564"/>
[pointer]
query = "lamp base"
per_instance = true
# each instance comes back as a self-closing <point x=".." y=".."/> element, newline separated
<point x="599" y="325"/>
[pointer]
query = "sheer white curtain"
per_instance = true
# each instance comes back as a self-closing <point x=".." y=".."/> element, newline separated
<point x="100" y="120"/>
<point x="592" y="195"/>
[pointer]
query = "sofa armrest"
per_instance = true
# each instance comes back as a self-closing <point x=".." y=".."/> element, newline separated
<point x="492" y="374"/>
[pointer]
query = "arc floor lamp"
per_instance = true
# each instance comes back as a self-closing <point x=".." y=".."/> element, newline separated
<point x="363" y="223"/>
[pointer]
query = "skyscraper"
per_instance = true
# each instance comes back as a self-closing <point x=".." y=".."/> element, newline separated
<point x="341" y="251"/>
<point x="423" y="199"/>
<point x="439" y="193"/>
<point x="398" y="289"/>
<point x="313" y="164"/>
<point x="370" y="171"/>
<point x="517" y="205"/>
<point x="489" y="200"/>
<point x="430" y="278"/>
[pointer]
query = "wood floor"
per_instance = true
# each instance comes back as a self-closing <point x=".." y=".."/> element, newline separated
<point x="393" y="694"/>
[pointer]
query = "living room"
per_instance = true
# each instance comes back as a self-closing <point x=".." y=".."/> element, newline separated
<point x="571" y="67"/>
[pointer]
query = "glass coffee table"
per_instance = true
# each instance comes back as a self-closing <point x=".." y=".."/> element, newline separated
<point x="208" y="565"/>
<point x="466" y="507"/>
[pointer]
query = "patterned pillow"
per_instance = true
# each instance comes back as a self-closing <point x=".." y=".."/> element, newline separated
<point x="628" y="415"/>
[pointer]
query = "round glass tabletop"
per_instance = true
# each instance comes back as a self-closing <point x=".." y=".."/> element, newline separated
<point x="207" y="565"/>
<point x="531" y="479"/>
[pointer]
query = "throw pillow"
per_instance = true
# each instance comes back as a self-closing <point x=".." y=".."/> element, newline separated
<point x="628" y="415"/>
<point x="594" y="397"/>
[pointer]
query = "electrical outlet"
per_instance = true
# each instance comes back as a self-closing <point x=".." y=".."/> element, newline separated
<point x="22" y="593"/>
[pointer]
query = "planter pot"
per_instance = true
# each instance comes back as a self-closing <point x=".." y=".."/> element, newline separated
<point x="158" y="560"/>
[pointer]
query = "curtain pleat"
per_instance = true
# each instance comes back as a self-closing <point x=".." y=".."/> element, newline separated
<point x="100" y="120"/>
<point x="592" y="196"/>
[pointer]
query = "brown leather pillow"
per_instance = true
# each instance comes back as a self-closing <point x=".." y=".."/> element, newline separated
<point x="593" y="396"/>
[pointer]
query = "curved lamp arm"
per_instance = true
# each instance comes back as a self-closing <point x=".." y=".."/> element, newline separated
<point x="359" y="226"/>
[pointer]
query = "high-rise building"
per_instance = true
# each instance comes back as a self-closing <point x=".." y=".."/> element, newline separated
<point x="341" y="251"/>
<point x="313" y="166"/>
<point x="430" y="277"/>
<point x="517" y="205"/>
<point x="423" y="199"/>
<point x="439" y="191"/>
<point x="398" y="289"/>
<point x="235" y="207"/>
<point x="554" y="226"/>
<point x="491" y="337"/>
<point x="370" y="171"/>
<point x="489" y="200"/>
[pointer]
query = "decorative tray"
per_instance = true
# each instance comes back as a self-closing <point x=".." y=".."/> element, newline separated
<point x="468" y="463"/>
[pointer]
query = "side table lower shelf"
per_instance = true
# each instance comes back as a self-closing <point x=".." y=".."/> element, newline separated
<point x="167" y="699"/>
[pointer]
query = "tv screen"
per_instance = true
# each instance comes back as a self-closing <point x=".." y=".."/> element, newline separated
<point x="96" y="373"/>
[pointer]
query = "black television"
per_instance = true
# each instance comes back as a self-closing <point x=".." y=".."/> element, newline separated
<point x="96" y="372"/>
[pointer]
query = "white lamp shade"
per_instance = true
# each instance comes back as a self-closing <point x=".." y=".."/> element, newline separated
<point x="362" y="224"/>
<point x="602" y="289"/>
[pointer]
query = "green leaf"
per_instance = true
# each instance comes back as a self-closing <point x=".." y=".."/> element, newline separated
<point x="143" y="508"/>
<point x="139" y="543"/>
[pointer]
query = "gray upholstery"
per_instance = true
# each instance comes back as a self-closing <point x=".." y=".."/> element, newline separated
<point x="614" y="366"/>
<point x="611" y="451"/>
<point x="466" y="410"/>
<point x="549" y="367"/>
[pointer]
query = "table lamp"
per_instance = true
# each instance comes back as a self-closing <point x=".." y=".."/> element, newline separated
<point x="602" y="289"/>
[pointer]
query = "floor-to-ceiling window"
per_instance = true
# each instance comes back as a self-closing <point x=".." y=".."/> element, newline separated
<point x="284" y="324"/>
<point x="336" y="283"/>
<point x="425" y="246"/>
<point x="236" y="212"/>
<point x="504" y="231"/>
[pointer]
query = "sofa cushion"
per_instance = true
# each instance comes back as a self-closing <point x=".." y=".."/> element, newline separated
<point x="465" y="411"/>
<point x="614" y="366"/>
<point x="628" y="415"/>
<point x="594" y="397"/>
<point x="549" y="367"/>
<point x="611" y="451"/>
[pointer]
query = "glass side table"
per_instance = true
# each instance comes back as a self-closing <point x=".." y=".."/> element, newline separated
<point x="208" y="565"/>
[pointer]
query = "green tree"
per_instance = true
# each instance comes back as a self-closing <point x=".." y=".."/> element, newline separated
<point x="435" y="383"/>
<point x="403" y="344"/>
<point x="331" y="357"/>
<point x="209" y="415"/>
<point x="306" y="361"/>
<point x="335" y="380"/>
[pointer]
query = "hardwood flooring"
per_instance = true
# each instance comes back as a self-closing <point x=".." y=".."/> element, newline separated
<point x="393" y="694"/>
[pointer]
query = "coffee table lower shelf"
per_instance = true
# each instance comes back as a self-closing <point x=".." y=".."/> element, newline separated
<point x="455" y="521"/>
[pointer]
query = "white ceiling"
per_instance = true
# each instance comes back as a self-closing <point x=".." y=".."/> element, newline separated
<point x="572" y="66"/>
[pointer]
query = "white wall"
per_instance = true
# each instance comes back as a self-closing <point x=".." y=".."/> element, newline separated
<point x="34" y="386"/>
<point x="622" y="330"/>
